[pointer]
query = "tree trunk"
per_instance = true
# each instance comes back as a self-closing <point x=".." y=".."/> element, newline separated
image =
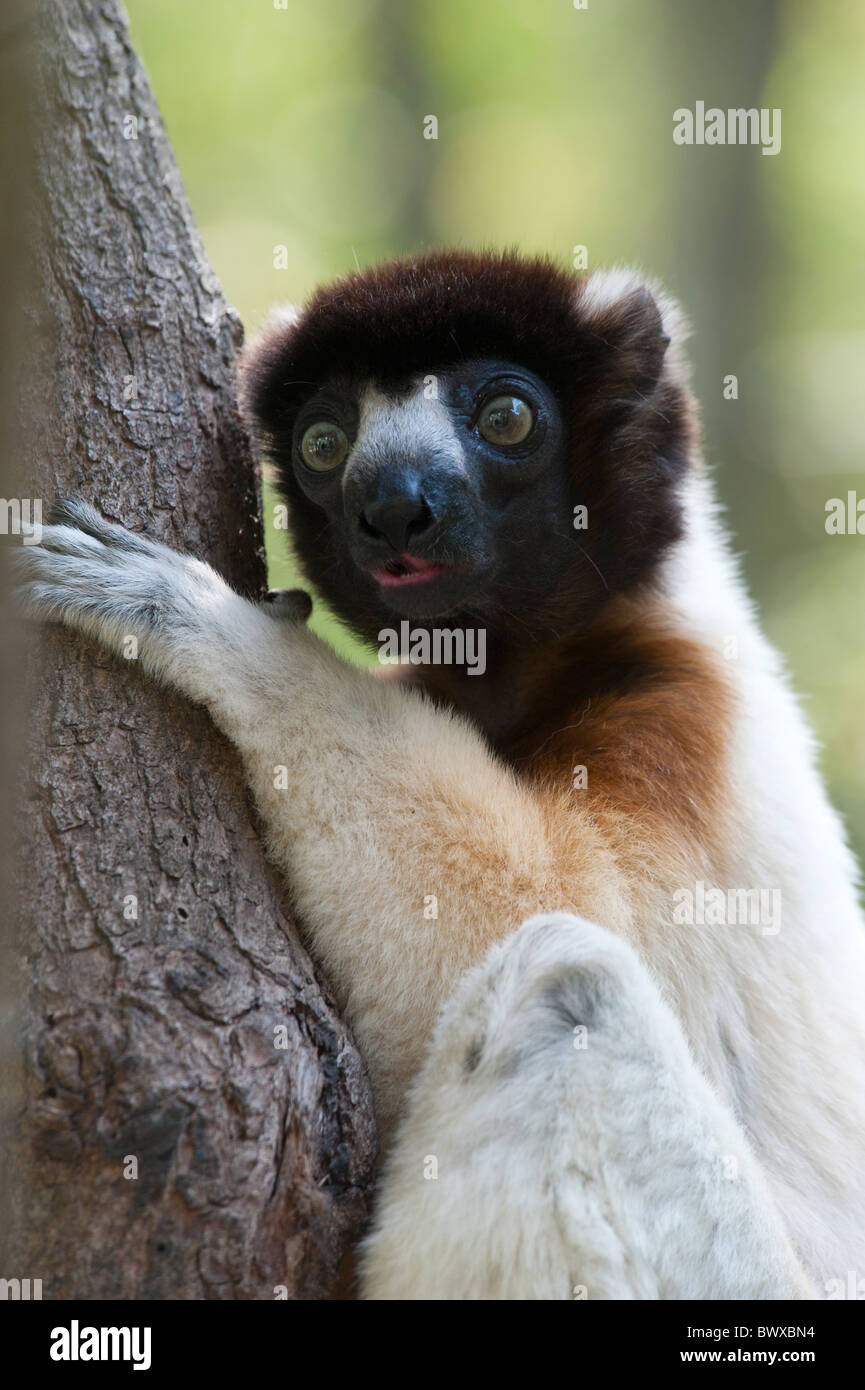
<point x="194" y="1119"/>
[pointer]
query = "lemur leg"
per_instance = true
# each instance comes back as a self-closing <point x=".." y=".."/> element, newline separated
<point x="560" y="1143"/>
<point x="408" y="847"/>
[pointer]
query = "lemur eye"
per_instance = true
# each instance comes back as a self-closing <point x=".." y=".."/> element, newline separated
<point x="323" y="446"/>
<point x="506" y="420"/>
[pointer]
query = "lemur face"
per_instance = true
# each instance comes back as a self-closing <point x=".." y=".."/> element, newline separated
<point x="445" y="491"/>
<point x="476" y="438"/>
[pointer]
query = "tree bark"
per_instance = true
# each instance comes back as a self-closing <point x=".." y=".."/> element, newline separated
<point x="193" y="1120"/>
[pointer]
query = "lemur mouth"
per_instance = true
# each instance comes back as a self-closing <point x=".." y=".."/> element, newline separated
<point x="407" y="569"/>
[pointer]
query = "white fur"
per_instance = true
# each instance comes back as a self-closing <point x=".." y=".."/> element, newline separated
<point x="560" y="1143"/>
<point x="791" y="1002"/>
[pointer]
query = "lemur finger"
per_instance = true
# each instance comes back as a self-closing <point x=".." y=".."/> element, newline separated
<point x="74" y="588"/>
<point x="69" y="540"/>
<point x="75" y="560"/>
<point x="293" y="604"/>
<point x="66" y="558"/>
<point x="52" y="603"/>
<point x="70" y="513"/>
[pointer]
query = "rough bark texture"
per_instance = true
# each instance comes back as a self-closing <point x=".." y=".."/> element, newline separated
<point x="159" y="959"/>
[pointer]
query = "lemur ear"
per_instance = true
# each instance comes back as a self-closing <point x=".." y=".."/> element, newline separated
<point x="639" y="324"/>
<point x="635" y="427"/>
<point x="259" y="368"/>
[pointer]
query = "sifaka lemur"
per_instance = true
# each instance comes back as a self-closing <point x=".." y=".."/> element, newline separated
<point x="622" y="1055"/>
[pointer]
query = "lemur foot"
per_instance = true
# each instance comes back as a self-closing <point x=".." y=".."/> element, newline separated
<point x="560" y="1143"/>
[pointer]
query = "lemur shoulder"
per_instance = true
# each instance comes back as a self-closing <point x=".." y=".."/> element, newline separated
<point x="621" y="1093"/>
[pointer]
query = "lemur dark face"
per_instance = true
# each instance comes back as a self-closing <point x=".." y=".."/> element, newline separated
<point x="445" y="492"/>
<point x="474" y="438"/>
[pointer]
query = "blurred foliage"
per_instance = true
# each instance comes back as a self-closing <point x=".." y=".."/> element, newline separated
<point x="302" y="127"/>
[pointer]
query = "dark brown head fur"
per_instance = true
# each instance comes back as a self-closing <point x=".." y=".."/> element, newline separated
<point x="628" y="423"/>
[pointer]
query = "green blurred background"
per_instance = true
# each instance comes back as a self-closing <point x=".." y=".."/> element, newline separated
<point x="302" y="127"/>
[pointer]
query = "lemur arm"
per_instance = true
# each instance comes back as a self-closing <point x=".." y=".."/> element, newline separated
<point x="372" y="800"/>
<point x="560" y="1143"/>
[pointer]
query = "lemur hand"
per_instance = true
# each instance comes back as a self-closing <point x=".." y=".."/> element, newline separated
<point x="142" y="600"/>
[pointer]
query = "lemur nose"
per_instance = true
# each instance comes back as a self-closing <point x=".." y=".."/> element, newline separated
<point x="399" y="519"/>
